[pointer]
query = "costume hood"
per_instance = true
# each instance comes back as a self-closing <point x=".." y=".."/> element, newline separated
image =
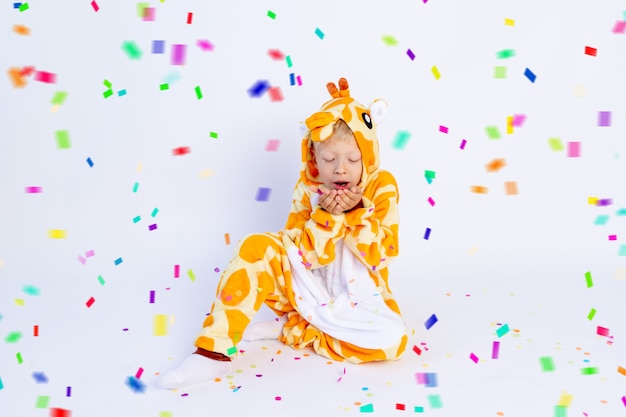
<point x="360" y="119"/>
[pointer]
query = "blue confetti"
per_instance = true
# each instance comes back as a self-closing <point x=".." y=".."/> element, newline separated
<point x="292" y="79"/>
<point x="530" y="75"/>
<point x="263" y="194"/>
<point x="118" y="261"/>
<point x="90" y="162"/>
<point x="427" y="233"/>
<point x="430" y="322"/>
<point x="259" y="88"/>
<point x="40" y="377"/>
<point x="136" y="385"/>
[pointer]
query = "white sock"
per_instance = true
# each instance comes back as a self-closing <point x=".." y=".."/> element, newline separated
<point x="194" y="369"/>
<point x="264" y="330"/>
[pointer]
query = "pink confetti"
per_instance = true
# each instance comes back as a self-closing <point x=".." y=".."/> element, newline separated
<point x="32" y="190"/>
<point x="431" y="201"/>
<point x="573" y="149"/>
<point x="620" y="27"/>
<point x="149" y="14"/>
<point x="299" y="80"/>
<point x="178" y="54"/>
<point x="275" y="94"/>
<point x="463" y="143"/>
<point x="205" y="45"/>
<point x="90" y="253"/>
<point x="612" y="237"/>
<point x="95" y="6"/>
<point x="495" y="350"/>
<point x="272" y="145"/>
<point x="81" y="259"/>
<point x="45" y="77"/>
<point x="139" y="373"/>
<point x="518" y="120"/>
<point x="278" y="398"/>
<point x="443" y="129"/>
<point x="473" y="357"/>
<point x="602" y="331"/>
<point x="176" y="271"/>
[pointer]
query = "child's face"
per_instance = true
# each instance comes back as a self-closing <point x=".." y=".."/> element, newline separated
<point x="339" y="163"/>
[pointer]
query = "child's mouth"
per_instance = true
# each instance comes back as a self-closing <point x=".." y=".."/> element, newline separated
<point x="341" y="185"/>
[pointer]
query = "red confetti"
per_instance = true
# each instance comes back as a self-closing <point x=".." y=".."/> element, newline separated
<point x="90" y="302"/>
<point x="417" y="350"/>
<point x="182" y="150"/>
<point x="60" y="412"/>
<point x="400" y="407"/>
<point x="591" y="51"/>
<point x="189" y="17"/>
<point x="276" y="55"/>
<point x="26" y="71"/>
<point x="36" y="330"/>
<point x="275" y="94"/>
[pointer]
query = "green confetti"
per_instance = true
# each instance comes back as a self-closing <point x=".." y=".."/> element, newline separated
<point x="135" y="187"/>
<point x="141" y="9"/>
<point x="59" y="98"/>
<point x="108" y="93"/>
<point x="504" y="329"/>
<point x="622" y="250"/>
<point x="288" y="61"/>
<point x="30" y="290"/>
<point x="367" y="408"/>
<point x="213" y="135"/>
<point x="107" y="83"/>
<point x="591" y="314"/>
<point x="101" y="280"/>
<point x="191" y="275"/>
<point x="164" y="87"/>
<point x="132" y="50"/>
<point x="18" y="355"/>
<point x="430" y="176"/>
<point x="588" y="279"/>
<point x="418" y="409"/>
<point x="621" y="212"/>
<point x="319" y="33"/>
<point x="493" y="132"/>
<point x="63" y="139"/>
<point x="435" y="401"/>
<point x="560" y="411"/>
<point x="601" y="220"/>
<point x="154" y="212"/>
<point x="198" y="92"/>
<point x="589" y="371"/>
<point x="1" y="384"/>
<point x="271" y="14"/>
<point x="499" y="72"/>
<point x="23" y="7"/>
<point x="389" y="40"/>
<point x="231" y="350"/>
<point x="42" y="401"/>
<point x="136" y="219"/>
<point x="505" y="53"/>
<point x="13" y="337"/>
<point x="547" y="364"/>
<point x="401" y="139"/>
<point x="555" y="144"/>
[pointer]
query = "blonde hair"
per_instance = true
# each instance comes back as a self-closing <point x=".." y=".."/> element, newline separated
<point x="341" y="131"/>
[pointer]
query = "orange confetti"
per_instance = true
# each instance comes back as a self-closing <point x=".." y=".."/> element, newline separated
<point x="621" y="370"/>
<point x="478" y="189"/>
<point x="499" y="413"/>
<point x="511" y="187"/>
<point x="495" y="165"/>
<point x="227" y="238"/>
<point x="21" y="30"/>
<point x="16" y="77"/>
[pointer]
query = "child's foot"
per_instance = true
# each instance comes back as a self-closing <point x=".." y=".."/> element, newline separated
<point x="196" y="368"/>
<point x="265" y="330"/>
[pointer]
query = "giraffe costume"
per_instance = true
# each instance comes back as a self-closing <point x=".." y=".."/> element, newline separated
<point x="326" y="273"/>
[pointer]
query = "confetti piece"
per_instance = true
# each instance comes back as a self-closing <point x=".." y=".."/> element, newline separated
<point x="68" y="391"/>
<point x="602" y="331"/>
<point x="227" y="238"/>
<point x="132" y="50"/>
<point x="108" y="93"/>
<point x="417" y="408"/>
<point x="160" y="325"/>
<point x="213" y="135"/>
<point x="430" y="176"/>
<point x="588" y="279"/>
<point x="1" y="384"/>
<point x="40" y="377"/>
<point x="205" y="45"/>
<point x="435" y="401"/>
<point x="589" y="371"/>
<point x="176" y="271"/>
<point x="510" y="188"/>
<point x="135" y="384"/>
<point x="149" y="14"/>
<point x="189" y="18"/>
<point x="57" y="234"/>
<point x="591" y="314"/>
<point x="198" y="92"/>
<point x="319" y="33"/>
<point x="59" y="412"/>
<point x="560" y="411"/>
<point x="622" y="250"/>
<point x="90" y="162"/>
<point x="509" y="22"/>
<point x="276" y="54"/>
<point x="417" y="350"/>
<point x="463" y="143"/>
<point x="565" y="400"/>
<point x="495" y="165"/>
<point x="151" y="299"/>
<point x="495" y="350"/>
<point x="31" y="290"/>
<point x="136" y="219"/>
<point x="275" y="94"/>
<point x="389" y="40"/>
<point x="573" y="149"/>
<point x="401" y="139"/>
<point x="179" y="52"/>
<point x="367" y="408"/>
<point x="19" y="358"/>
<point x="288" y="61"/>
<point x="530" y="75"/>
<point x="493" y="132"/>
<point x="191" y="275"/>
<point x="181" y="150"/>
<point x="262" y="194"/>
<point x="21" y="30"/>
<point x="427" y="233"/>
<point x="556" y="144"/>
<point x="42" y="401"/>
<point x="621" y="370"/>
<point x="13" y="337"/>
<point x="158" y="47"/>
<point x="118" y="261"/>
<point x="299" y="80"/>
<point x="36" y="330"/>
<point x="473" y="357"/>
<point x="504" y="329"/>
<point x="165" y="414"/>
<point x="135" y="187"/>
<point x="547" y="364"/>
<point x="443" y="129"/>
<point x="233" y="349"/>
<point x="139" y="373"/>
<point x="518" y="120"/>
<point x="400" y="407"/>
<point x="45" y="77"/>
<point x="410" y="54"/>
<point x="95" y="6"/>
<point x="33" y="190"/>
<point x="278" y="398"/>
<point x="17" y="79"/>
<point x="604" y="118"/>
<point x="478" y="189"/>
<point x="271" y="14"/>
<point x="505" y="53"/>
<point x="591" y="51"/>
<point x="620" y="26"/>
<point x="164" y="87"/>
<point x="601" y="220"/>
<point x="624" y="400"/>
<point x="63" y="139"/>
<point x="90" y="302"/>
<point x="499" y="72"/>
<point x="601" y="202"/>
<point x="435" y="72"/>
<point x="81" y="259"/>
<point x="259" y="88"/>
<point x="430" y="322"/>
<point x="272" y="145"/>
<point x="509" y="125"/>
<point x="431" y="201"/>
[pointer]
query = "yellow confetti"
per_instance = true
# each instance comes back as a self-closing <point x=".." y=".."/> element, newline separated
<point x="19" y="302"/>
<point x="592" y="200"/>
<point x="565" y="400"/>
<point x="57" y="234"/>
<point x="509" y="22"/>
<point x="435" y="72"/>
<point x="206" y="173"/>
<point x="139" y="167"/>
<point x="509" y="125"/>
<point x="160" y="325"/>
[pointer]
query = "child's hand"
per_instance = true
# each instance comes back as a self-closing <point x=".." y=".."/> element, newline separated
<point x="327" y="199"/>
<point x="348" y="199"/>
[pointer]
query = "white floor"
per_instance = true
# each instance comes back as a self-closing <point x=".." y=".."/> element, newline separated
<point x="545" y="306"/>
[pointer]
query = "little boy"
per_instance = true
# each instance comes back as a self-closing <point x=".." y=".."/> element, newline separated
<point x="325" y="273"/>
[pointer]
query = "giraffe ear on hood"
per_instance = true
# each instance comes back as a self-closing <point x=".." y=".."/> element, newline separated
<point x="378" y="109"/>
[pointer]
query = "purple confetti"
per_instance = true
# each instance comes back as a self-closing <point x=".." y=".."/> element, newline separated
<point x="604" y="118"/>
<point x="158" y="47"/>
<point x="495" y="350"/>
<point x="463" y="142"/>
<point x="263" y="194"/>
<point x="410" y="54"/>
<point x="152" y="227"/>
<point x="178" y="54"/>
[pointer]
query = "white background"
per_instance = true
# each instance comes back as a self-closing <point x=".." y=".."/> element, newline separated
<point x="491" y="259"/>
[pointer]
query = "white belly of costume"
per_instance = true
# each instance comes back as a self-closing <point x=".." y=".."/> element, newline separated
<point x="342" y="301"/>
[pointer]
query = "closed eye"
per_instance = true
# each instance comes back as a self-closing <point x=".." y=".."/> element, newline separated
<point x="358" y="160"/>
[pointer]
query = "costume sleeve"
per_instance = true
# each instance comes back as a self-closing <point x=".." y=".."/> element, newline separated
<point x="313" y="230"/>
<point x="372" y="231"/>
